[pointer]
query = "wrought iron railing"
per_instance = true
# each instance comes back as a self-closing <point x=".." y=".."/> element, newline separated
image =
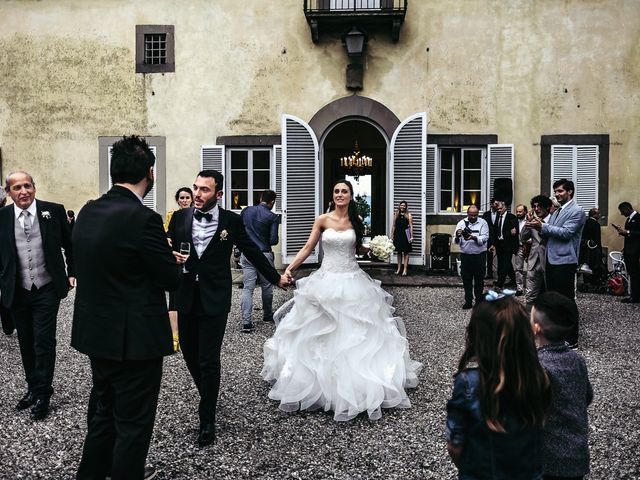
<point x="339" y="6"/>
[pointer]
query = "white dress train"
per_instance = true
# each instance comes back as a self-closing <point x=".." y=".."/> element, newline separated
<point x="337" y="345"/>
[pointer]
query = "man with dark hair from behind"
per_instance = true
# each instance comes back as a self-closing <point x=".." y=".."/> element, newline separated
<point x="631" y="234"/>
<point x="565" y="442"/>
<point x="120" y="319"/>
<point x="262" y="227"/>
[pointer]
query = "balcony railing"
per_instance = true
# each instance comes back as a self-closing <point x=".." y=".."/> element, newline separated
<point x="327" y="15"/>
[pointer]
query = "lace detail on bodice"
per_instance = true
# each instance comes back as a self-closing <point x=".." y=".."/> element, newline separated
<point x="339" y="249"/>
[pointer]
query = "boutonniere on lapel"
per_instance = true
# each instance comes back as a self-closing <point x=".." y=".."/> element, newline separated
<point x="45" y="214"/>
<point x="223" y="235"/>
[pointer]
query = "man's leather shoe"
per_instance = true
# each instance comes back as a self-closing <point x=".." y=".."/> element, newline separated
<point x="26" y="401"/>
<point x="466" y="306"/>
<point x="629" y="300"/>
<point x="40" y="409"/>
<point x="207" y="435"/>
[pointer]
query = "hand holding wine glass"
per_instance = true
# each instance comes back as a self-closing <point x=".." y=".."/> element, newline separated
<point x="185" y="249"/>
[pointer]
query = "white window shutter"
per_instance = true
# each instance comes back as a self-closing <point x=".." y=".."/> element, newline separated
<point x="578" y="163"/>
<point x="149" y="199"/>
<point x="586" y="182"/>
<point x="212" y="157"/>
<point x="408" y="177"/>
<point x="300" y="179"/>
<point x="500" y="165"/>
<point x="276" y="177"/>
<point x="432" y="179"/>
<point x="562" y="163"/>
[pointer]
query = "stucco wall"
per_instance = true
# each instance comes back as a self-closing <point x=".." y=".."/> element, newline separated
<point x="518" y="69"/>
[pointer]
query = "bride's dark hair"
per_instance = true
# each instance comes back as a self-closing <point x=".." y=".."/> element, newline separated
<point x="354" y="216"/>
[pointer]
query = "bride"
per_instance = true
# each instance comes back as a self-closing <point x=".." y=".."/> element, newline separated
<point x="337" y="345"/>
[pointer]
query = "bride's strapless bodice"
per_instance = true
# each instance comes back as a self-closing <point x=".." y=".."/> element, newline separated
<point x="339" y="249"/>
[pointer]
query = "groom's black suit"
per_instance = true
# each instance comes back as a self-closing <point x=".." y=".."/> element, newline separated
<point x="124" y="265"/>
<point x="35" y="311"/>
<point x="203" y="304"/>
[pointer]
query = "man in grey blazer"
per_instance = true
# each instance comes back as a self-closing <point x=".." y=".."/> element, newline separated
<point x="562" y="234"/>
<point x="540" y="205"/>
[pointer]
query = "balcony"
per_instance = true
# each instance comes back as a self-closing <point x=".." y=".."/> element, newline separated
<point x="337" y="15"/>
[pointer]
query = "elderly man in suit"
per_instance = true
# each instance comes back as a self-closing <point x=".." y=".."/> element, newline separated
<point x="34" y="277"/>
<point x="562" y="233"/>
<point x="536" y="260"/>
<point x="124" y="265"/>
<point x="203" y="300"/>
<point x="631" y="234"/>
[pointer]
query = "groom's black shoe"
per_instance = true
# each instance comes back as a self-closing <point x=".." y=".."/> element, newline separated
<point x="26" y="401"/>
<point x="40" y="409"/>
<point x="207" y="434"/>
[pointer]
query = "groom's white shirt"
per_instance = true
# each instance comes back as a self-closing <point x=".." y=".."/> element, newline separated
<point x="203" y="231"/>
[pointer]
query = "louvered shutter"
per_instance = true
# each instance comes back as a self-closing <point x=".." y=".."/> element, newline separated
<point x="408" y="177"/>
<point x="277" y="177"/>
<point x="500" y="165"/>
<point x="578" y="163"/>
<point x="212" y="157"/>
<point x="300" y="204"/>
<point x="149" y="199"/>
<point x="432" y="178"/>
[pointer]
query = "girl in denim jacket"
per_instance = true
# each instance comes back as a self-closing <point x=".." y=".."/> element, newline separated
<point x="500" y="394"/>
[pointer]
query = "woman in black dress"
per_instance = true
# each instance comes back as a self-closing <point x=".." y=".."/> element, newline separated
<point x="402" y="234"/>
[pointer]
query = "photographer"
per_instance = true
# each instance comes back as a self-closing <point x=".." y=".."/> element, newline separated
<point x="471" y="235"/>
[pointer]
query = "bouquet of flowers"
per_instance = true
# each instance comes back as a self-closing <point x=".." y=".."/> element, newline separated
<point x="381" y="247"/>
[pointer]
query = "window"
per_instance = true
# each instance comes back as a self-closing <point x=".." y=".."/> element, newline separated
<point x="581" y="158"/>
<point x="461" y="178"/>
<point x="249" y="174"/>
<point x="155" y="51"/>
<point x="156" y="198"/>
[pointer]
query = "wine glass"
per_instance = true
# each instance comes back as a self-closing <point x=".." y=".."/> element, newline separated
<point x="185" y="249"/>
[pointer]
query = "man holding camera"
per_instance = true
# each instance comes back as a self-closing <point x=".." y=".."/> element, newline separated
<point x="472" y="235"/>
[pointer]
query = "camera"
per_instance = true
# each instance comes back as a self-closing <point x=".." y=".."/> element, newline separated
<point x="466" y="231"/>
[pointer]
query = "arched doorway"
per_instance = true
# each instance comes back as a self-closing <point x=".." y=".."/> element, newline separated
<point x="369" y="183"/>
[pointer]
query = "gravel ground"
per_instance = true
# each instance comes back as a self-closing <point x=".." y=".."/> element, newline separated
<point x="256" y="440"/>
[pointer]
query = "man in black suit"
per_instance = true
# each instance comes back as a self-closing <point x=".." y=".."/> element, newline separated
<point x="34" y="277"/>
<point x="124" y="265"/>
<point x="490" y="217"/>
<point x="506" y="242"/>
<point x="631" y="234"/>
<point x="204" y="299"/>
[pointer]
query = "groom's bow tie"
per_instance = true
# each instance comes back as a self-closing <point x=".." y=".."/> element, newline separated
<point x="200" y="215"/>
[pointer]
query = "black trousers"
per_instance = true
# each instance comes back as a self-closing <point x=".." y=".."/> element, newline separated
<point x="6" y="318"/>
<point x="562" y="279"/>
<point x="472" y="273"/>
<point x="632" y="262"/>
<point x="201" y="342"/>
<point x="125" y="396"/>
<point x="505" y="266"/>
<point x="489" y="255"/>
<point x="35" y="314"/>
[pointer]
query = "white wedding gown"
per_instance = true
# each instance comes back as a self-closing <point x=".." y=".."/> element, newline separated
<point x="337" y="345"/>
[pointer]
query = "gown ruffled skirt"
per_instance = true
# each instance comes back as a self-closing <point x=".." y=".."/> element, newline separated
<point x="337" y="344"/>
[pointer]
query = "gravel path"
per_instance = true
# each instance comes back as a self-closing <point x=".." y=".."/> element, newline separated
<point x="256" y="440"/>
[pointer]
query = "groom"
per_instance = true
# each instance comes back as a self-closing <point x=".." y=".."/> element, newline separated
<point x="204" y="299"/>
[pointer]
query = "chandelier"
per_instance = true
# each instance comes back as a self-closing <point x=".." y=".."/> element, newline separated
<point x="356" y="164"/>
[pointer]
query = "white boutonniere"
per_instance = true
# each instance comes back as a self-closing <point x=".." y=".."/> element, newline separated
<point x="223" y="235"/>
<point x="45" y="214"/>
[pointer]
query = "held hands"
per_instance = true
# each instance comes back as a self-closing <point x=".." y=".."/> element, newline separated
<point x="286" y="279"/>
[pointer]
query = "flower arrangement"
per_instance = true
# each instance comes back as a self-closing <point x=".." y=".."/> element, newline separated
<point x="381" y="247"/>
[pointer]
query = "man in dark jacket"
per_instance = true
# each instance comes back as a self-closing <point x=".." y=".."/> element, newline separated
<point x="124" y="266"/>
<point x="505" y="243"/>
<point x="631" y="234"/>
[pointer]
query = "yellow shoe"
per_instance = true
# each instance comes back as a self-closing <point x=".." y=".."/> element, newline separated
<point x="176" y="342"/>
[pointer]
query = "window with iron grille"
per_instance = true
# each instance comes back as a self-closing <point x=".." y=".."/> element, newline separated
<point x="155" y="51"/>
